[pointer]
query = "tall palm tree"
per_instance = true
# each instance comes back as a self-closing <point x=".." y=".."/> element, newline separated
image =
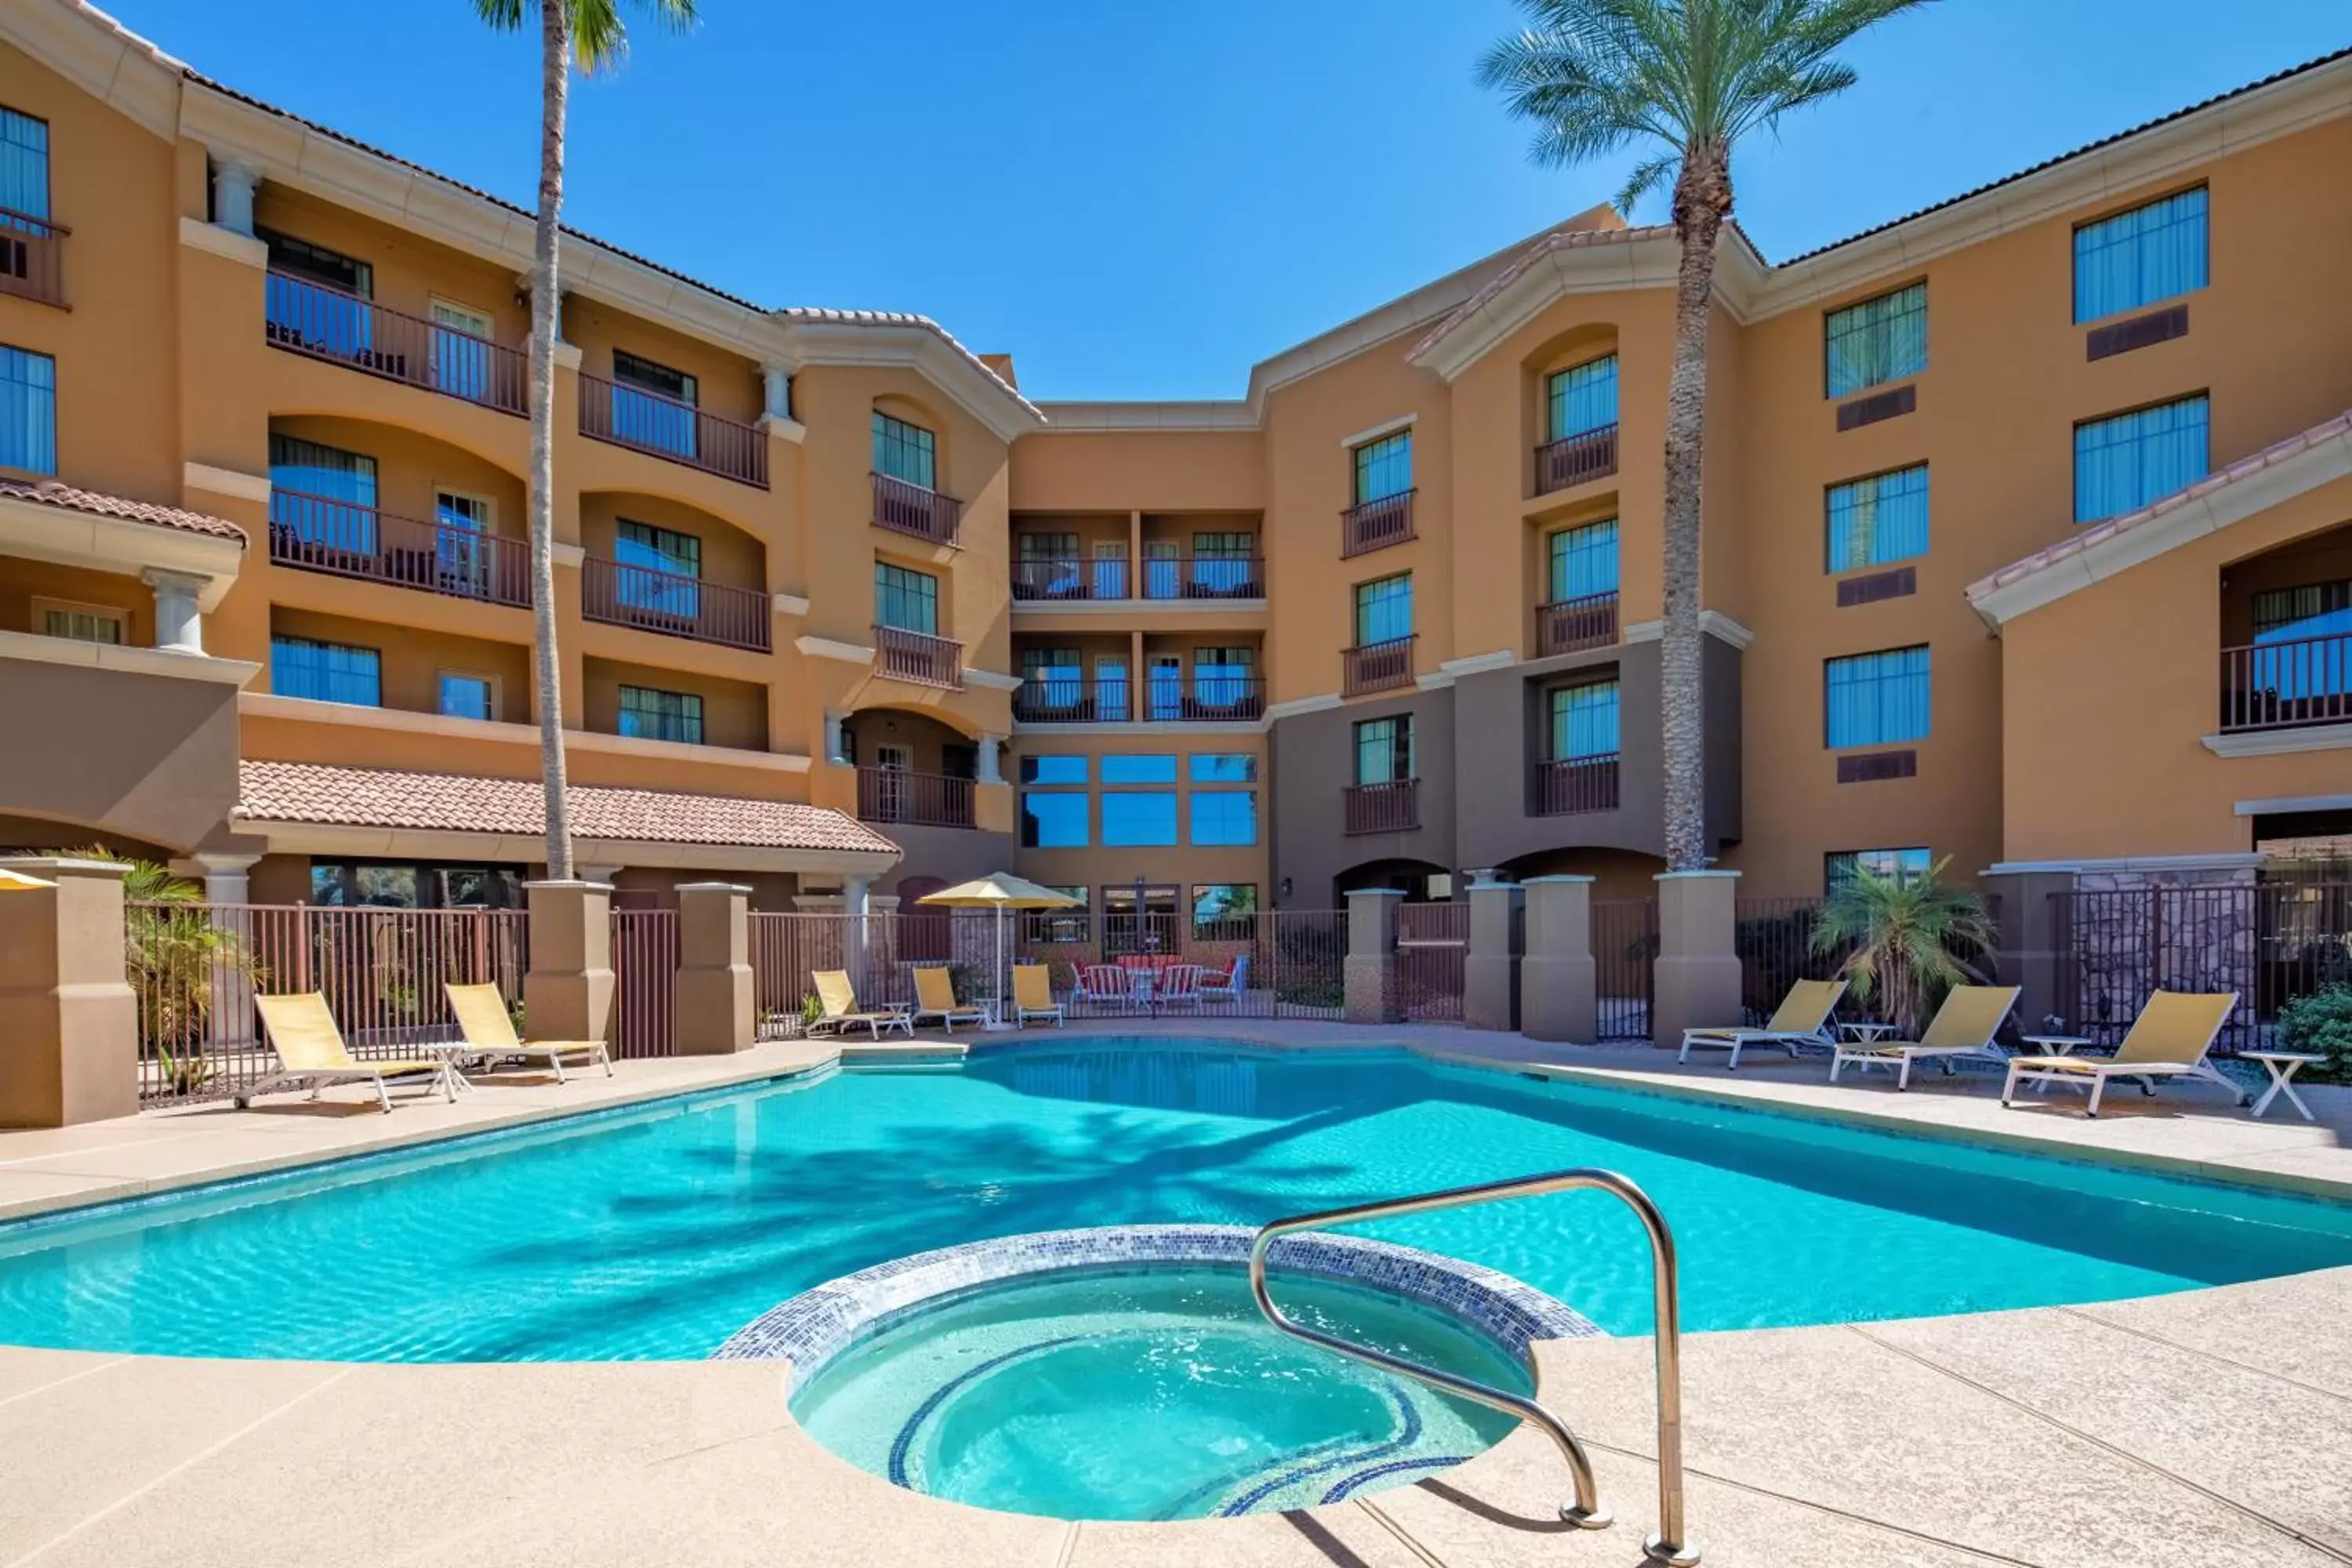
<point x="1685" y="80"/>
<point x="590" y="33"/>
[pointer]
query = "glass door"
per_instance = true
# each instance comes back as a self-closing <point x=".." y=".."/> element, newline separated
<point x="461" y="551"/>
<point x="1167" y="685"/>
<point x="1163" y="568"/>
<point x="461" y="350"/>
<point x="1110" y="690"/>
<point x="1110" y="569"/>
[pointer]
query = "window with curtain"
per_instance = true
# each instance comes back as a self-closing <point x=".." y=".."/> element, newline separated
<point x="1053" y="821"/>
<point x="1139" y="819"/>
<point x="1582" y="398"/>
<point x="1877" y="519"/>
<point x="302" y="317"/>
<point x="653" y="405"/>
<point x="1384" y="750"/>
<point x="1384" y="610"/>
<point x="1046" y="565"/>
<point x="657" y="715"/>
<point x="1054" y="674"/>
<point x="653" y="561"/>
<point x="2291" y="615"/>
<point x="1894" y="865"/>
<point x="1585" y="720"/>
<point x="905" y="451"/>
<point x="1222" y="676"/>
<point x="325" y="672"/>
<point x="1876" y="699"/>
<point x="1224" y="818"/>
<point x="316" y="263"/>
<point x="1582" y="562"/>
<point x="1384" y="468"/>
<point x="322" y="495"/>
<point x="1880" y="340"/>
<point x="468" y="696"/>
<point x="24" y="164"/>
<point x="2155" y="251"/>
<point x="29" y="411"/>
<point x="80" y="623"/>
<point x="2124" y="462"/>
<point x="907" y="600"/>
<point x="1221" y="561"/>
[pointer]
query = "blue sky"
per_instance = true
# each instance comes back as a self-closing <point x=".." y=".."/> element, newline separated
<point x="1139" y="200"/>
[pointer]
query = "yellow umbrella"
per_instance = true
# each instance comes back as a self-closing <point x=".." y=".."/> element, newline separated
<point x="17" y="882"/>
<point x="1000" y="892"/>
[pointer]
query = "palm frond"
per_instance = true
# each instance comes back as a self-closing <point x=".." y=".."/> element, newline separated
<point x="1908" y="941"/>
<point x="600" y="38"/>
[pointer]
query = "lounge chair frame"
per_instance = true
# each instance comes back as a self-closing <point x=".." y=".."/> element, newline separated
<point x="1939" y="1043"/>
<point x="489" y="1030"/>
<point x="948" y="1011"/>
<point x="2189" y="1016"/>
<point x="1024" y="1011"/>
<point x="838" y="997"/>
<point x="289" y="1018"/>
<point x="1780" y="1028"/>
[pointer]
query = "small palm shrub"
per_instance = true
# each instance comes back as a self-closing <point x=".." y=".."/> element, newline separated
<point x="175" y="956"/>
<point x="1912" y="939"/>
<point x="2321" y="1024"/>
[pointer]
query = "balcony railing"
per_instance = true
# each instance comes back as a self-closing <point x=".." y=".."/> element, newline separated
<point x="32" y="257"/>
<point x="1567" y="625"/>
<point x="667" y="603"/>
<point x="906" y="508"/>
<point x="919" y="658"/>
<point x="1570" y="784"/>
<point x="1164" y="578"/>
<point x="2283" y="685"/>
<point x="1058" y="698"/>
<point x="1576" y="460"/>
<point x="306" y="318"/>
<point x="1376" y="524"/>
<point x="1064" y="696"/>
<point x="319" y="534"/>
<point x="1376" y="667"/>
<point x="1393" y="807"/>
<point x="681" y="432"/>
<point x="919" y="800"/>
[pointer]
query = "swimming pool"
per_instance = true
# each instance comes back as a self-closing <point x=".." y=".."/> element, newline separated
<point x="657" y="1232"/>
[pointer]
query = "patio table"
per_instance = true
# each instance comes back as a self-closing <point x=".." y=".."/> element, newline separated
<point x="2282" y="1065"/>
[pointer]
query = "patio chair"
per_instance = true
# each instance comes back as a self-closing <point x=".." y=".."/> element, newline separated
<point x="1033" y="994"/>
<point x="1105" y="986"/>
<point x="1802" y="1018"/>
<point x="2169" y="1039"/>
<point x="1963" y="1026"/>
<point x="303" y="1036"/>
<point x="838" y="999"/>
<point x="1230" y="987"/>
<point x="1178" y="986"/>
<point x="489" y="1028"/>
<point x="935" y="997"/>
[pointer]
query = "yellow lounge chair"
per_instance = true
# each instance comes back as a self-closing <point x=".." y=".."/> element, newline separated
<point x="307" y="1045"/>
<point x="1963" y="1026"/>
<point x="489" y="1028"/>
<point x="935" y="997"/>
<point x="1804" y="1018"/>
<point x="838" y="998"/>
<point x="2168" y="1039"/>
<point x="1033" y="994"/>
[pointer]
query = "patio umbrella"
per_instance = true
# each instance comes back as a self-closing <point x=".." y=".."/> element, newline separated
<point x="1000" y="892"/>
<point x="17" y="882"/>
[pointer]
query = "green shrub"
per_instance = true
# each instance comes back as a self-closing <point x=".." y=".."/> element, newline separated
<point x="2321" y="1024"/>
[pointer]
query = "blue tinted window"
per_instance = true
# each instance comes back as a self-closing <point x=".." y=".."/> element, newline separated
<point x="906" y="600"/>
<point x="24" y="164"/>
<point x="1384" y="468"/>
<point x="29" y="411"/>
<point x="1119" y="769"/>
<point x="1384" y="610"/>
<point x="2137" y="258"/>
<point x="325" y="672"/>
<point x="1876" y="699"/>
<point x="1879" y="340"/>
<point x="1583" y="398"/>
<point x="1894" y="865"/>
<point x="1882" y="518"/>
<point x="2124" y="463"/>
<point x="1224" y="817"/>
<point x="1053" y="821"/>
<point x="1054" y="770"/>
<point x="1584" y="722"/>
<point x="904" y="451"/>
<point x="654" y="715"/>
<point x="1583" y="561"/>
<point x="1223" y="767"/>
<point x="1141" y="818"/>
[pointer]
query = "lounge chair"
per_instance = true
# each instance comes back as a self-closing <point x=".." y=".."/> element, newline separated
<point x="307" y="1045"/>
<point x="1179" y="985"/>
<point x="1033" y="994"/>
<point x="2168" y="1039"/>
<point x="489" y="1029"/>
<point x="1230" y="987"/>
<point x="1105" y="985"/>
<point x="838" y="998"/>
<point x="1963" y="1026"/>
<point x="1802" y="1018"/>
<point x="935" y="997"/>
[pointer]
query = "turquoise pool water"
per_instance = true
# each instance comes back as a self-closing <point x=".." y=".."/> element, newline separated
<point x="656" y="1233"/>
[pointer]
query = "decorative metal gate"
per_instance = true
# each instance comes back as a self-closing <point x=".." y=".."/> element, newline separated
<point x="644" y="968"/>
<point x="1431" y="967"/>
<point x="1624" y="961"/>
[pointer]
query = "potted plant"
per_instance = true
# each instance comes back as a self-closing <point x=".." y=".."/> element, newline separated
<point x="1912" y="940"/>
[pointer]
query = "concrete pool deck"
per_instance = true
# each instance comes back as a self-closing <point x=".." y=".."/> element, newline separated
<point x="2204" y="1428"/>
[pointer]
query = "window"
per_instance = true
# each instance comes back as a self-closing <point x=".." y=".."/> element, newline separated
<point x="653" y="406"/>
<point x="1223" y="676"/>
<point x="1582" y="562"/>
<point x="468" y="696"/>
<point x="648" y="375"/>
<point x="1582" y="398"/>
<point x="1876" y="699"/>
<point x="325" y="672"/>
<point x="1877" y="519"/>
<point x="2311" y="610"/>
<point x="1225" y="911"/>
<point x="1384" y="468"/>
<point x="461" y="349"/>
<point x="1894" y="865"/>
<point x="2137" y="258"/>
<point x="24" y="164"/>
<point x="1065" y="925"/>
<point x="316" y="263"/>
<point x="654" y="715"/>
<point x="1054" y="675"/>
<point x="1054" y="770"/>
<point x="29" y="411"/>
<point x="1220" y="563"/>
<point x="1879" y="340"/>
<point x="2123" y="463"/>
<point x="1048" y="565"/>
<point x="1050" y="821"/>
<point x="81" y="623"/>
<point x="1223" y="767"/>
<point x="904" y="451"/>
<point x="321" y="496"/>
<point x="1121" y="769"/>
<point x="1384" y="610"/>
<point x="1384" y="750"/>
<point x="1223" y="818"/>
<point x="1585" y="720"/>
<point x="905" y="599"/>
<point x="656" y="568"/>
<point x="1139" y="819"/>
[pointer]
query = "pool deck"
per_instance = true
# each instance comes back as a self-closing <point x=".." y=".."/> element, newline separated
<point x="2197" y="1430"/>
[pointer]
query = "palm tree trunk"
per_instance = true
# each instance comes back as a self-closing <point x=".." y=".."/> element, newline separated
<point x="1702" y="201"/>
<point x="546" y="321"/>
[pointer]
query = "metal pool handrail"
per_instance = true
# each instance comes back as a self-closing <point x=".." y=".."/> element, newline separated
<point x="1668" y="1545"/>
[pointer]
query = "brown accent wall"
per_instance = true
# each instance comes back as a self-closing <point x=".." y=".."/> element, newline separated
<point x="152" y="757"/>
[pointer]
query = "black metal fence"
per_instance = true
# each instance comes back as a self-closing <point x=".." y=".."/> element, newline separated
<point x="1625" y="958"/>
<point x="1431" y="964"/>
<point x="1775" y="940"/>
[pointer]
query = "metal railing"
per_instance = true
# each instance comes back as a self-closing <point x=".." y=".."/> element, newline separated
<point x="1391" y="808"/>
<point x="919" y="800"/>
<point x="317" y="534"/>
<point x="32" y="257"/>
<point x="1568" y="625"/>
<point x="306" y="318"/>
<point x="1053" y="579"/>
<point x="1567" y="785"/>
<point x="1376" y="667"/>
<point x="2284" y="684"/>
<point x="666" y="428"/>
<point x="1376" y="524"/>
<point x="645" y="956"/>
<point x="1116" y="699"/>
<point x="918" y="658"/>
<point x="1585" y="1509"/>
<point x="673" y="605"/>
<point x="1576" y="460"/>
<point x="903" y="507"/>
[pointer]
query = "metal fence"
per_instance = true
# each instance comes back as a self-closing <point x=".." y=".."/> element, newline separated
<point x="1431" y="964"/>
<point x="1774" y="938"/>
<point x="1624" y="959"/>
<point x="644" y="983"/>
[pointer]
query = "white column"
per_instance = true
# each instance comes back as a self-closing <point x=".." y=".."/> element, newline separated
<point x="834" y="717"/>
<point x="605" y="874"/>
<point x="229" y="1025"/>
<point x="226" y="878"/>
<point x="233" y="188"/>
<point x="857" y="896"/>
<point x="778" y="382"/>
<point x="179" y="625"/>
<point x="987" y="771"/>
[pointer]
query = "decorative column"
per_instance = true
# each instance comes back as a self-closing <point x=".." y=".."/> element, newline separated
<point x="988" y="771"/>
<point x="1698" y="974"/>
<point x="68" y="1021"/>
<point x="777" y="383"/>
<point x="230" y="1024"/>
<point x="713" y="1001"/>
<point x="1490" y="991"/>
<point x="233" y="188"/>
<point x="856" y="929"/>
<point x="227" y="878"/>
<point x="2033" y="944"/>
<point x="834" y="720"/>
<point x="568" y="992"/>
<point x="1559" y="992"/>
<point x="1372" y="953"/>
<point x="178" y="624"/>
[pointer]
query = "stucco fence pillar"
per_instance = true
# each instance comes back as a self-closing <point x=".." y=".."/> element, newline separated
<point x="1371" y="955"/>
<point x="713" y="1004"/>
<point x="69" y="1019"/>
<point x="568" y="990"/>
<point x="1490" y="976"/>
<point x="1697" y="974"/>
<point x="1559" y="990"/>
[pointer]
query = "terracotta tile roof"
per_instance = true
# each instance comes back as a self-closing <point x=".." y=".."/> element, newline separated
<point x="1558" y="240"/>
<point x="49" y="492"/>
<point x="449" y="803"/>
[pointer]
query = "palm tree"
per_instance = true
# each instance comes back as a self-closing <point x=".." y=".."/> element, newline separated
<point x="1911" y="939"/>
<point x="1685" y="80"/>
<point x="589" y="32"/>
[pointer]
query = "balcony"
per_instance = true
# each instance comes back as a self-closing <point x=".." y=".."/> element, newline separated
<point x="1571" y="784"/>
<point x="305" y="318"/>
<point x="1571" y="625"/>
<point x="32" y="257"/>
<point x="907" y="507"/>
<point x="314" y="533"/>
<point x="1576" y="460"/>
<point x="915" y="800"/>
<point x="1111" y="699"/>
<point x="670" y="605"/>
<point x="918" y="658"/>
<point x="1376" y="524"/>
<point x="2287" y="685"/>
<point x="1376" y="667"/>
<point x="1164" y="579"/>
<point x="1393" y="807"/>
<point x="674" y="431"/>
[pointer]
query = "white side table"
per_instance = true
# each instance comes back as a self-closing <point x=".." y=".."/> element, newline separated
<point x="2283" y="1066"/>
<point x="2053" y="1046"/>
<point x="1865" y="1034"/>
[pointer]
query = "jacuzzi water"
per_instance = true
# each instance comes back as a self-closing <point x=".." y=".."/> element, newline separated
<point x="1152" y="1395"/>
<point x="657" y="1232"/>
